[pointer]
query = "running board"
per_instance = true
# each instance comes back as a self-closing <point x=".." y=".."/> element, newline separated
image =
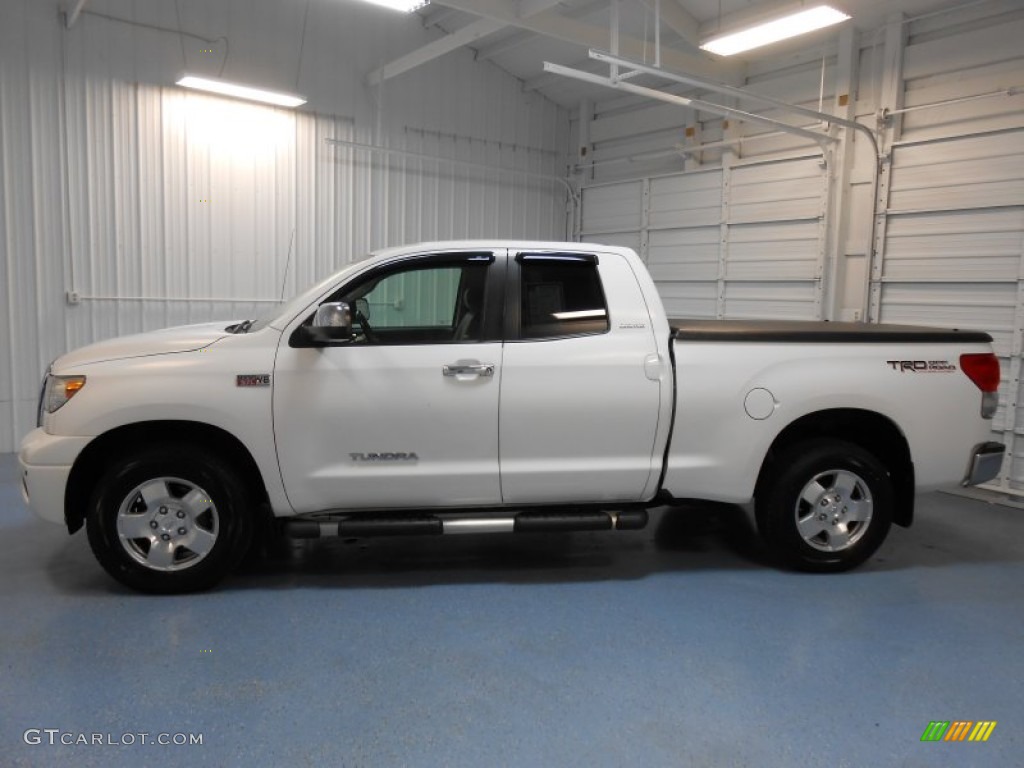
<point x="540" y="521"/>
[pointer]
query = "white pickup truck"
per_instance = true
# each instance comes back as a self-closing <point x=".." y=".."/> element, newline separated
<point x="471" y="387"/>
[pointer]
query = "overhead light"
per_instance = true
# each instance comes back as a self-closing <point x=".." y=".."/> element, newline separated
<point x="794" y="24"/>
<point x="408" y="6"/>
<point x="240" y="91"/>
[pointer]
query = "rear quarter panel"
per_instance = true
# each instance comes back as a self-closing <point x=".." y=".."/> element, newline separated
<point x="717" y="449"/>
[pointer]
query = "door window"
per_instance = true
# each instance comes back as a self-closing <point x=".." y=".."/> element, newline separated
<point x="427" y="301"/>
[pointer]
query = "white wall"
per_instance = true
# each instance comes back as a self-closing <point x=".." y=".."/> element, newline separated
<point x="157" y="206"/>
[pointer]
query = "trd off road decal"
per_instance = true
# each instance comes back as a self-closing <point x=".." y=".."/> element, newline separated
<point x="921" y="366"/>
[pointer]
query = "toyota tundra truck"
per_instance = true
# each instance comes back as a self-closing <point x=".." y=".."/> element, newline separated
<point x="492" y="386"/>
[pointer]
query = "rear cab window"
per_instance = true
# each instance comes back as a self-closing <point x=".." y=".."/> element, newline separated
<point x="560" y="295"/>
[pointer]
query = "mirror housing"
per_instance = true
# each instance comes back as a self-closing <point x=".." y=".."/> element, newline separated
<point x="332" y="324"/>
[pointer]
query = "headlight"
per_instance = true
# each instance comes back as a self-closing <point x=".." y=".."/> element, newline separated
<point x="58" y="390"/>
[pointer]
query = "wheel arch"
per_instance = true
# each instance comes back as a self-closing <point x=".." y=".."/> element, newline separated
<point x="870" y="430"/>
<point x="92" y="462"/>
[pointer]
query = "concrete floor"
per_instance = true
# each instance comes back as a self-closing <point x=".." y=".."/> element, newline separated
<point x="672" y="646"/>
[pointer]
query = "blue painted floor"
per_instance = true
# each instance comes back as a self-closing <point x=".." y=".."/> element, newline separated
<point x="672" y="646"/>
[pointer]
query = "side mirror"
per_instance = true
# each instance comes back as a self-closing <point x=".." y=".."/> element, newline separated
<point x="332" y="324"/>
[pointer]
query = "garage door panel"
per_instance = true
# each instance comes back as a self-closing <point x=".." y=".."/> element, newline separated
<point x="972" y="172"/>
<point x="1017" y="467"/>
<point x="683" y="254"/>
<point x="754" y="269"/>
<point x="953" y="253"/>
<point x="765" y="260"/>
<point x="776" y="191"/>
<point x="689" y="298"/>
<point x="775" y="210"/>
<point x="618" y="239"/>
<point x="773" y="251"/>
<point x="945" y="223"/>
<point x="760" y="173"/>
<point x="1005" y="168"/>
<point x="988" y="307"/>
<point x="965" y="195"/>
<point x="673" y="271"/>
<point x="793" y="300"/>
<point x="686" y="200"/>
<point x="612" y="208"/>
<point x="980" y="148"/>
<point x="964" y="246"/>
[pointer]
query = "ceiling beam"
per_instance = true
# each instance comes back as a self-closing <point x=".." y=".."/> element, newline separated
<point x="587" y="35"/>
<point x="510" y="43"/>
<point x="468" y="34"/>
<point x="679" y="20"/>
<point x="527" y="8"/>
<point x="523" y="36"/>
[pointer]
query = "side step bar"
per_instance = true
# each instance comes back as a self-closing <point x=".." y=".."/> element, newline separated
<point x="546" y="521"/>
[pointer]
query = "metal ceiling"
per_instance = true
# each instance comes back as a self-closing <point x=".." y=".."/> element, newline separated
<point x="519" y="35"/>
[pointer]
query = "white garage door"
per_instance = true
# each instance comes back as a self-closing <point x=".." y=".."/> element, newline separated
<point x="740" y="241"/>
<point x="952" y="254"/>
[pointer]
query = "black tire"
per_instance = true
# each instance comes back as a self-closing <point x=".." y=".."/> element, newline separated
<point x="825" y="506"/>
<point x="193" y="529"/>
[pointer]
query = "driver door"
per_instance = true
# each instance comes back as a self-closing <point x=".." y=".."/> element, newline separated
<point x="405" y="415"/>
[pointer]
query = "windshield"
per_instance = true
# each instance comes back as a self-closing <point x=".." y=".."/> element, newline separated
<point x="287" y="310"/>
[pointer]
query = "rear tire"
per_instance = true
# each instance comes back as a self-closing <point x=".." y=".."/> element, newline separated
<point x="828" y="508"/>
<point x="169" y="520"/>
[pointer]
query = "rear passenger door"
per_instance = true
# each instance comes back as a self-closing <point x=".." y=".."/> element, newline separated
<point x="578" y="412"/>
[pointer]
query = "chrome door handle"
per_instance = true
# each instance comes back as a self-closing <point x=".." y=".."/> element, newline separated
<point x="460" y="369"/>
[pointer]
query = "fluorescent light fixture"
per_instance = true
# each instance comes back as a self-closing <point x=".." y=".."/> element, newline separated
<point x="407" y="6"/>
<point x="794" y="24"/>
<point x="225" y="88"/>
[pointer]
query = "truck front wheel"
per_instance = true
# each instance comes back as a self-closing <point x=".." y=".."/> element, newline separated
<point x="168" y="520"/>
<point x="828" y="509"/>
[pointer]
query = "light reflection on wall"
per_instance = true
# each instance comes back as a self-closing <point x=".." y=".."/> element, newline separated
<point x="227" y="127"/>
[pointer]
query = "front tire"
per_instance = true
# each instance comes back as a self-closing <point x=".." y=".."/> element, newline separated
<point x="169" y="520"/>
<point x="828" y="509"/>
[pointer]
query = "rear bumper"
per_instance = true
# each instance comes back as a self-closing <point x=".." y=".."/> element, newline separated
<point x="985" y="462"/>
<point x="45" y="463"/>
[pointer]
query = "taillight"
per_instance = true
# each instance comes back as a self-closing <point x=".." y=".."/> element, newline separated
<point x="983" y="370"/>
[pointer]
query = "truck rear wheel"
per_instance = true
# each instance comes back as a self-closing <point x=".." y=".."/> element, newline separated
<point x="828" y="509"/>
<point x="169" y="520"/>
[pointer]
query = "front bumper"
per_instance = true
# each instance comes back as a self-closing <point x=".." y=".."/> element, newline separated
<point x="45" y="461"/>
<point x="985" y="463"/>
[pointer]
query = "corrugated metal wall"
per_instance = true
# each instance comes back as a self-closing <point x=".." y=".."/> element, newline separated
<point x="158" y="206"/>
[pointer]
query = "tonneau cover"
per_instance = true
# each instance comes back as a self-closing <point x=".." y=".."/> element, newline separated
<point x="801" y="331"/>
